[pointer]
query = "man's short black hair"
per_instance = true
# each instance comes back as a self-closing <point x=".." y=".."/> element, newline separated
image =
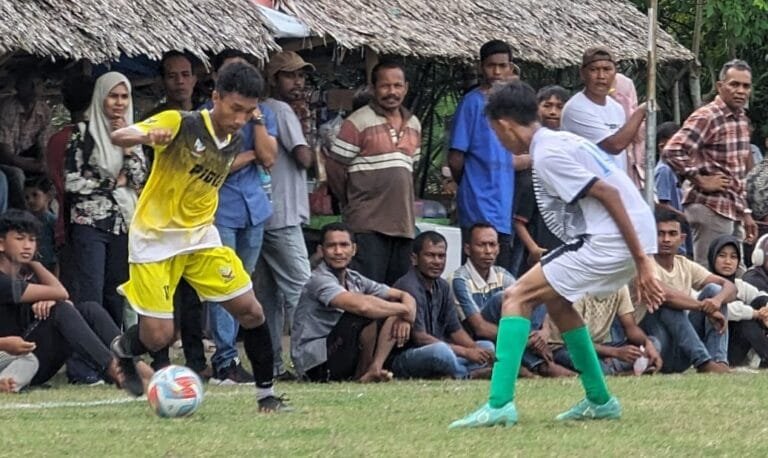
<point x="20" y="221"/>
<point x="387" y="64"/>
<point x="433" y="237"/>
<point x="336" y="227"/>
<point x="221" y="57"/>
<point x="664" y="215"/>
<point x="241" y="78"/>
<point x="479" y="225"/>
<point x="495" y="47"/>
<point x="42" y="183"/>
<point x="76" y="92"/>
<point x="553" y="90"/>
<point x="171" y="54"/>
<point x="515" y="101"/>
<point x="666" y="130"/>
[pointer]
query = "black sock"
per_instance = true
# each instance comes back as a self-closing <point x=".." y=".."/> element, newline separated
<point x="130" y="342"/>
<point x="258" y="348"/>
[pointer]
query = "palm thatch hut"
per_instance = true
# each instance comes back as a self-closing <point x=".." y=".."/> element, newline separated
<point x="102" y="30"/>
<point x="550" y="33"/>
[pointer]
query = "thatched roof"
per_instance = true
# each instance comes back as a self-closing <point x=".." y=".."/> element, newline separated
<point x="553" y="33"/>
<point x="100" y="30"/>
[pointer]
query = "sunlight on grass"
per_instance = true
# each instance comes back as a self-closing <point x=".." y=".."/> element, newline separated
<point x="690" y="415"/>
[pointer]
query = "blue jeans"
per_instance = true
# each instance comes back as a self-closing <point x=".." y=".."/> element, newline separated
<point x="435" y="360"/>
<point x="687" y="340"/>
<point x="281" y="272"/>
<point x="491" y="312"/>
<point x="247" y="244"/>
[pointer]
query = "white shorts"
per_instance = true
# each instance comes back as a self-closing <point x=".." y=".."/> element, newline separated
<point x="596" y="265"/>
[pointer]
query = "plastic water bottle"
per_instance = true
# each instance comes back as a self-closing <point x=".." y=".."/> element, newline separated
<point x="266" y="182"/>
<point x="641" y="363"/>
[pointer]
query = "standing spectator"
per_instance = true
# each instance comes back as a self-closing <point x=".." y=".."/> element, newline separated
<point x="240" y="217"/>
<point x="594" y="115"/>
<point x="624" y="92"/>
<point x="669" y="193"/>
<point x="439" y="345"/>
<point x="283" y="268"/>
<point x="480" y="165"/>
<point x="179" y="80"/>
<point x="757" y="195"/>
<point x="38" y="193"/>
<point x="3" y="193"/>
<point x="102" y="183"/>
<point x="532" y="237"/>
<point x="379" y="147"/>
<point x="24" y="120"/>
<point x="711" y="151"/>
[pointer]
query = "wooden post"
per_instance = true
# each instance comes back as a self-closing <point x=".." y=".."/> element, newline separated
<point x="650" y="120"/>
<point x="371" y="59"/>
<point x="676" y="102"/>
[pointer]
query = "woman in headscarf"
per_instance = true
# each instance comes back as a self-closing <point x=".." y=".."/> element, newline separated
<point x="102" y="183"/>
<point x="748" y="314"/>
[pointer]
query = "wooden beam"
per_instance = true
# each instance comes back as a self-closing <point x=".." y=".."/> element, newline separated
<point x="371" y="59"/>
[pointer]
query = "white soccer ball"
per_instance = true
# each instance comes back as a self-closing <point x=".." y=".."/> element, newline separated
<point x="175" y="391"/>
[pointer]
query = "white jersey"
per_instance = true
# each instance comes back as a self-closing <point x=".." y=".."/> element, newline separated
<point x="565" y="166"/>
<point x="595" y="122"/>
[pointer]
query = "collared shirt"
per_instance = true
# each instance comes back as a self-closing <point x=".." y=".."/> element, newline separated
<point x="315" y="317"/>
<point x="435" y="312"/>
<point x="471" y="291"/>
<point x="714" y="139"/>
<point x="242" y="200"/>
<point x="20" y="129"/>
<point x="487" y="186"/>
<point x="598" y="315"/>
<point x="380" y="162"/>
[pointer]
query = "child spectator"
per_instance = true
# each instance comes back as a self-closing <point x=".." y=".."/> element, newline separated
<point x="532" y="238"/>
<point x="38" y="194"/>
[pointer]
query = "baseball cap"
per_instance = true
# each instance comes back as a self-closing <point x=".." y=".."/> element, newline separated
<point x="286" y="61"/>
<point x="595" y="54"/>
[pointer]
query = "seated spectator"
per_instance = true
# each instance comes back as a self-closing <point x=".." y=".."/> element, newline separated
<point x="34" y="304"/>
<point x="478" y="288"/>
<point x="616" y="356"/>
<point x="700" y="338"/>
<point x="17" y="364"/>
<point x="439" y="346"/>
<point x="38" y="194"/>
<point x="24" y="120"/>
<point x="346" y="325"/>
<point x="748" y="314"/>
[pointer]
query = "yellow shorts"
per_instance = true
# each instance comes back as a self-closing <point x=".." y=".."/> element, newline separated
<point x="216" y="274"/>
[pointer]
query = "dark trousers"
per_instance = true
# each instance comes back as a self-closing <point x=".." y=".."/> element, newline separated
<point x="504" y="259"/>
<point x="382" y="258"/>
<point x="188" y="315"/>
<point x="100" y="261"/>
<point x="743" y="336"/>
<point x="342" y="349"/>
<point x="85" y="329"/>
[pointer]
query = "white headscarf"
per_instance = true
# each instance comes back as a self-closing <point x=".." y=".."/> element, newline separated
<point x="108" y="156"/>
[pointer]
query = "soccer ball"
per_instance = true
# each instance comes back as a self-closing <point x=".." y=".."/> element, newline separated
<point x="175" y="391"/>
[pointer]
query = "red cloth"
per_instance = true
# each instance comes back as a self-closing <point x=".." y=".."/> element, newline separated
<point x="57" y="152"/>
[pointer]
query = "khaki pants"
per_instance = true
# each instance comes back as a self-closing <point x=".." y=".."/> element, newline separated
<point x="706" y="226"/>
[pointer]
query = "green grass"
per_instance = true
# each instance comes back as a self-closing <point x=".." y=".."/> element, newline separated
<point x="689" y="415"/>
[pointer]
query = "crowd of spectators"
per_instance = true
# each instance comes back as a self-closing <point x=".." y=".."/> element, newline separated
<point x="379" y="304"/>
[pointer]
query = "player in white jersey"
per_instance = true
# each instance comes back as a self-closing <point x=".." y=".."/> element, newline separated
<point x="610" y="237"/>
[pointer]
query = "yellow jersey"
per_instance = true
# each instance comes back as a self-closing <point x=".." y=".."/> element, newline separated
<point x="175" y="211"/>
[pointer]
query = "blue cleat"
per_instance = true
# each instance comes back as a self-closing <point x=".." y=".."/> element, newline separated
<point x="588" y="410"/>
<point x="487" y="416"/>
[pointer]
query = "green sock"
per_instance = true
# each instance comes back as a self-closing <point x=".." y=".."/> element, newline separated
<point x="584" y="358"/>
<point x="510" y="345"/>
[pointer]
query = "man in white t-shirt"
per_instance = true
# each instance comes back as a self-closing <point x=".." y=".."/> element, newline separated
<point x="608" y="234"/>
<point x="595" y="116"/>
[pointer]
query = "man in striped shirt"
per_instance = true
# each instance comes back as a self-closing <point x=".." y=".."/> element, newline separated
<point x="712" y="152"/>
<point x="378" y="148"/>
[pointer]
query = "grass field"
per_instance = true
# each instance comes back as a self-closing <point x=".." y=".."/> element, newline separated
<point x="690" y="415"/>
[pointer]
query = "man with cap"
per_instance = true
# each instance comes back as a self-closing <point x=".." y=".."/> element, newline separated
<point x="595" y="116"/>
<point x="283" y="266"/>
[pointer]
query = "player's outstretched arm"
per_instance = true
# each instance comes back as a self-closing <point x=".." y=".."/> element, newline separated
<point x="648" y="286"/>
<point x="130" y="136"/>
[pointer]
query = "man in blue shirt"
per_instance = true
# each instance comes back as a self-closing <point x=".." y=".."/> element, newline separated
<point x="479" y="163"/>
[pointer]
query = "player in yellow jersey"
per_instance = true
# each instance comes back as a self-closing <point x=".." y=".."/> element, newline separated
<point x="172" y="234"/>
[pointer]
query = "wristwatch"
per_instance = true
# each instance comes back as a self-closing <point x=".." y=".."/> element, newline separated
<point x="258" y="119"/>
<point x="747" y="211"/>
